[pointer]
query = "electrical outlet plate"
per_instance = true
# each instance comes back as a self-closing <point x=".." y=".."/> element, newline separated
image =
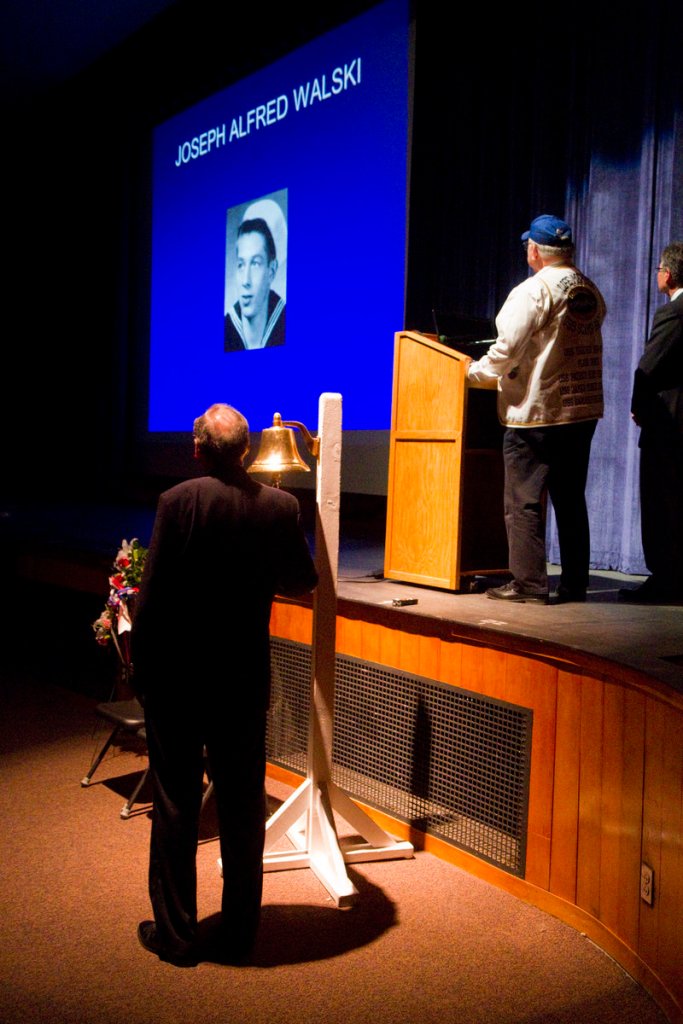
<point x="647" y="883"/>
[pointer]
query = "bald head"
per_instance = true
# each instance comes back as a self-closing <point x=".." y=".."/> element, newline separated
<point x="221" y="436"/>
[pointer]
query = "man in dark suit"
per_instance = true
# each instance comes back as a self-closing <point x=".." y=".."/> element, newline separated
<point x="222" y="547"/>
<point x="657" y="408"/>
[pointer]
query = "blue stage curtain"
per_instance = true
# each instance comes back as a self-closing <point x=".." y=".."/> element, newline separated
<point x="625" y="202"/>
<point x="576" y="112"/>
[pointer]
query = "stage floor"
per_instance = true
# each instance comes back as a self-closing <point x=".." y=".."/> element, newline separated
<point x="648" y="639"/>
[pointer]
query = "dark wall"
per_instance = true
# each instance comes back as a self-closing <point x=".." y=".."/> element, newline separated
<point x="501" y="123"/>
<point x="77" y="217"/>
<point x="489" y="112"/>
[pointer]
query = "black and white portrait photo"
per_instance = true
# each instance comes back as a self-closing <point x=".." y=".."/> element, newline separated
<point x="256" y="274"/>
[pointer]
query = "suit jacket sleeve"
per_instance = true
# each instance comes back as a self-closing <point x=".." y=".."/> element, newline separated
<point x="153" y="603"/>
<point x="657" y="401"/>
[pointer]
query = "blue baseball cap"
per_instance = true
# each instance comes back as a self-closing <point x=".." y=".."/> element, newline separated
<point x="549" y="230"/>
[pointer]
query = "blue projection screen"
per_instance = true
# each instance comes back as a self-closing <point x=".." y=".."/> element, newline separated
<point x="314" y="147"/>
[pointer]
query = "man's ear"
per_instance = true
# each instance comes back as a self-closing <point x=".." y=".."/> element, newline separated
<point x="196" y="449"/>
<point x="272" y="266"/>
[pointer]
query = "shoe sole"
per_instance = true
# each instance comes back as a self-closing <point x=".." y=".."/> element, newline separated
<point x="517" y="598"/>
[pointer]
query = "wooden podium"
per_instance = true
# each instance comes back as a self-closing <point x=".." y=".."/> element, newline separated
<point x="445" y="500"/>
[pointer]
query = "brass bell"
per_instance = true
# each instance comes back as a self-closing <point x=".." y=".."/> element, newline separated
<point x="278" y="452"/>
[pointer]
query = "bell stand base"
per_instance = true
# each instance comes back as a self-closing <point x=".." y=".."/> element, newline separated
<point x="306" y="818"/>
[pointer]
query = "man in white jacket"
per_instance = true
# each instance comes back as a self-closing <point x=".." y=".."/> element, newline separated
<point x="547" y="363"/>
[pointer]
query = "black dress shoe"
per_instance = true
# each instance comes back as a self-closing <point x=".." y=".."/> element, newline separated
<point x="149" y="940"/>
<point x="565" y="595"/>
<point x="513" y="592"/>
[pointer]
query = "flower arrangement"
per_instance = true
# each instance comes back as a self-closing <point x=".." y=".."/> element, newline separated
<point x="124" y="583"/>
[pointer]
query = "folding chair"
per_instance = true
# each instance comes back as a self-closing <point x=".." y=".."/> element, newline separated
<point x="126" y="716"/>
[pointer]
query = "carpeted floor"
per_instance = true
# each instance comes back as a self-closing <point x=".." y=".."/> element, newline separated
<point x="426" y="942"/>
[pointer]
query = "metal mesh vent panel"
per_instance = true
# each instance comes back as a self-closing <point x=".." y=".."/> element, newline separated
<point x="452" y="763"/>
<point x="287" y="732"/>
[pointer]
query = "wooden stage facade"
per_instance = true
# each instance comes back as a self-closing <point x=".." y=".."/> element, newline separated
<point x="602" y="685"/>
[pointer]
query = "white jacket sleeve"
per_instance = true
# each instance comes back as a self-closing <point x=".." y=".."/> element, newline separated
<point x="525" y="310"/>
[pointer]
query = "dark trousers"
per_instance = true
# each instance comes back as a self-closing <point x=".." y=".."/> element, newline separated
<point x="235" y="743"/>
<point x="540" y="462"/>
<point x="661" y="512"/>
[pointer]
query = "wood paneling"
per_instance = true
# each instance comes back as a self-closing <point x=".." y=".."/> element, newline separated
<point x="605" y="792"/>
<point x="425" y="533"/>
<point x="408" y="652"/>
<point x="425" y="458"/>
<point x="669" y="891"/>
<point x="534" y="685"/>
<point x="661" y="935"/>
<point x="621" y="810"/>
<point x="349" y="636"/>
<point x="423" y="372"/>
<point x="649" y="927"/>
<point x="444" y="501"/>
<point x="590" y="795"/>
<point x="630" y="822"/>
<point x="565" y="831"/>
<point x="291" y="621"/>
